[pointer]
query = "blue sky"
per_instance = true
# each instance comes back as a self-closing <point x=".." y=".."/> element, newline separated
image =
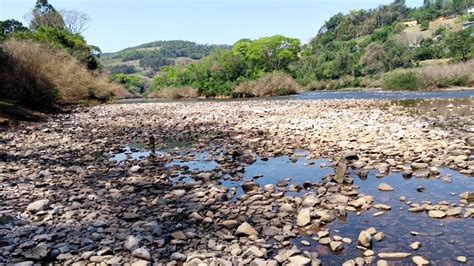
<point x="117" y="24"/>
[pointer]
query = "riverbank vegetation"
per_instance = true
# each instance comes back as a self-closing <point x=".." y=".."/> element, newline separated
<point x="50" y="63"/>
<point x="364" y="48"/>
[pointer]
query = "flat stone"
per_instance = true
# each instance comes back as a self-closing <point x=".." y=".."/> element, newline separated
<point x="283" y="255"/>
<point x="141" y="253"/>
<point x="304" y="217"/>
<point x="415" y="245"/>
<point x="299" y="261"/>
<point x="39" y="205"/>
<point x="385" y="187"/>
<point x="418" y="260"/>
<point x="454" y="211"/>
<point x="461" y="259"/>
<point x="437" y="214"/>
<point x="394" y="255"/>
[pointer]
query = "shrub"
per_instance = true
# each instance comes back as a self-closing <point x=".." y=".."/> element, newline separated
<point x="174" y="93"/>
<point x="271" y="84"/>
<point x="38" y="76"/>
<point x="402" y="80"/>
<point x="440" y="76"/>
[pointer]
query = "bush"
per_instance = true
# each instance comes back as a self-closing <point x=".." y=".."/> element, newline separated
<point x="271" y="84"/>
<point x="441" y="76"/>
<point x="402" y="80"/>
<point x="174" y="93"/>
<point x="38" y="76"/>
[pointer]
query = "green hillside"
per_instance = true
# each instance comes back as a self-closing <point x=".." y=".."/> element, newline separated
<point x="148" y="58"/>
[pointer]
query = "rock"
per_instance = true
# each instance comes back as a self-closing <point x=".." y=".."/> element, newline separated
<point x="437" y="214"/>
<point x="369" y="253"/>
<point x="418" y="260"/>
<point x="454" y="211"/>
<point x="141" y="253"/>
<point x="134" y="169"/>
<point x="385" y="187"/>
<point x="382" y="263"/>
<point x="340" y="172"/>
<point x="365" y="239"/>
<point x="394" y="255"/>
<point x="253" y="251"/>
<point x="176" y="256"/>
<point x="39" y="252"/>
<point x="336" y="246"/>
<point x="415" y="245"/>
<point x="249" y="185"/>
<point x="130" y="216"/>
<point x="39" y="205"/>
<point x="132" y="243"/>
<point x="179" y="235"/>
<point x="461" y="259"/>
<point x="382" y="207"/>
<point x="468" y="195"/>
<point x="351" y="155"/>
<point x="379" y="236"/>
<point x="229" y="224"/>
<point x="299" y="261"/>
<point x="419" y="165"/>
<point x="304" y="217"/>
<point x="246" y="229"/>
<point x="310" y="200"/>
<point x="283" y="255"/>
<point x="141" y="263"/>
<point x="349" y="263"/>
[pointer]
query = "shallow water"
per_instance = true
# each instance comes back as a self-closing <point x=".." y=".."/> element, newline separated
<point x="442" y="239"/>
<point x="275" y="169"/>
<point x="383" y="95"/>
<point x="334" y="95"/>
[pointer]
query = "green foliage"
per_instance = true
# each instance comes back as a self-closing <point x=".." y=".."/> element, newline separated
<point x="131" y="83"/>
<point x="155" y="55"/>
<point x="10" y="26"/>
<point x="461" y="44"/>
<point x="401" y="80"/>
<point x="218" y="73"/>
<point x="122" y="69"/>
<point x="58" y="38"/>
<point x="424" y="25"/>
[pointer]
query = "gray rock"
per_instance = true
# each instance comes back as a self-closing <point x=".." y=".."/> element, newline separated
<point x="39" y="205"/>
<point x="132" y="242"/>
<point x="141" y="253"/>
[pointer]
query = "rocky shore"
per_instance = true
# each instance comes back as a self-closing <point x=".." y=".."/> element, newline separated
<point x="64" y="199"/>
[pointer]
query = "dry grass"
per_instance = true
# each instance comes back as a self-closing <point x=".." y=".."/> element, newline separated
<point x="37" y="69"/>
<point x="271" y="84"/>
<point x="441" y="76"/>
<point x="431" y="77"/>
<point x="175" y="93"/>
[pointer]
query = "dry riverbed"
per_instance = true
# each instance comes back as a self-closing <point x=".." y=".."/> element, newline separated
<point x="273" y="182"/>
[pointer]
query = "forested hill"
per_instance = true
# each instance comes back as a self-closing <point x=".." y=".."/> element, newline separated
<point x="148" y="58"/>
<point x="366" y="42"/>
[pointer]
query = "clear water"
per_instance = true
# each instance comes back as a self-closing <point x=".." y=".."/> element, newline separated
<point x="442" y="239"/>
<point x="334" y="95"/>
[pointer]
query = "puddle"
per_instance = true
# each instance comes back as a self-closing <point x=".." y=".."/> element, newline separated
<point x="132" y="152"/>
<point x="273" y="170"/>
<point x="140" y="151"/>
<point x="442" y="239"/>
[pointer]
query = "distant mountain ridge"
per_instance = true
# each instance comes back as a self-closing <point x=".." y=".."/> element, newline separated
<point x="148" y="58"/>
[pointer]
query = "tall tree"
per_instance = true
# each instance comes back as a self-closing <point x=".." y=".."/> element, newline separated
<point x="45" y="15"/>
